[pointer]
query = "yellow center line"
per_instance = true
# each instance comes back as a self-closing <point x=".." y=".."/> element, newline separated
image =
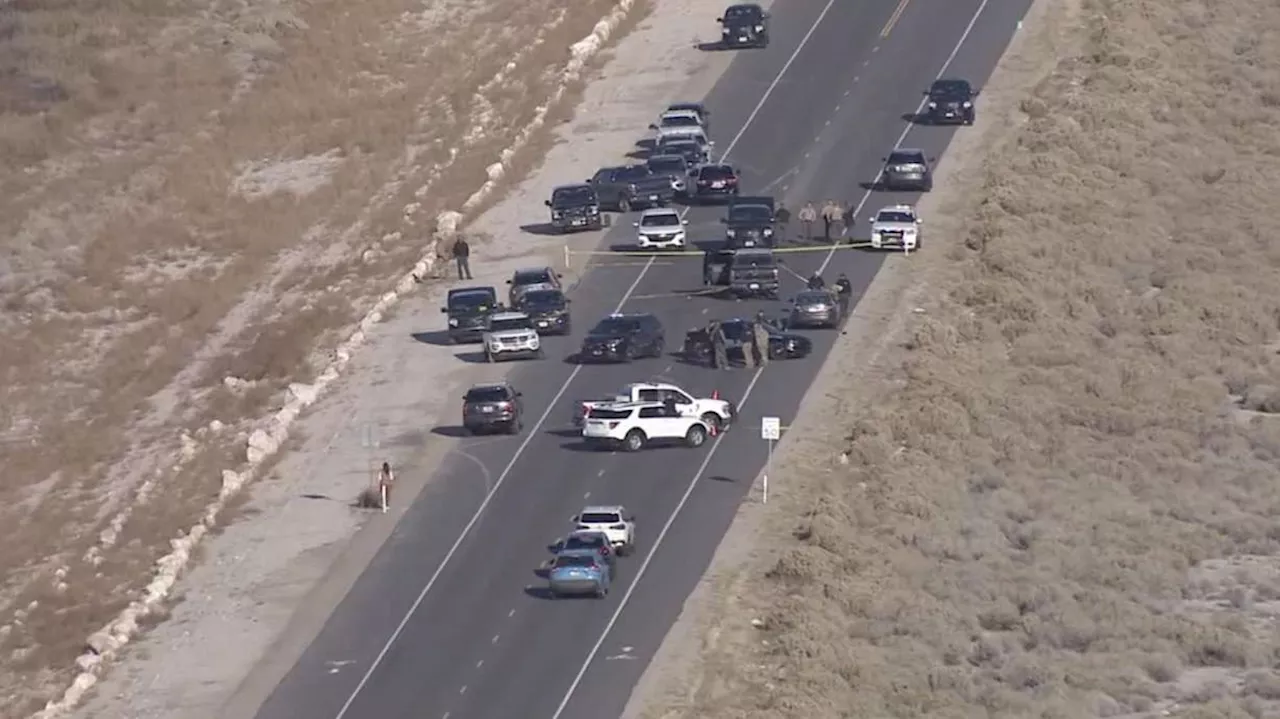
<point x="893" y="19"/>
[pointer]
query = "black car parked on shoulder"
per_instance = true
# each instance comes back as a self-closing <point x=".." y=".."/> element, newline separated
<point x="715" y="182"/>
<point x="675" y="167"/>
<point x="468" y="309"/>
<point x="745" y="25"/>
<point x="950" y="102"/>
<point x="624" y="337"/>
<point x="574" y="208"/>
<point x="632" y="187"/>
<point x="492" y="407"/>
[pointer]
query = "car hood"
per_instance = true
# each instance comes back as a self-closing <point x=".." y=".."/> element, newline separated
<point x="511" y="334"/>
<point x="662" y="230"/>
<point x="575" y="208"/>
<point x="545" y="311"/>
<point x="893" y="227"/>
<point x="602" y="339"/>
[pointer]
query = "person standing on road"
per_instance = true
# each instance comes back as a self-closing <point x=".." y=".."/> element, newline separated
<point x="719" y="353"/>
<point x="748" y="349"/>
<point x="844" y="293"/>
<point x="830" y="216"/>
<point x="386" y="480"/>
<point x="462" y="256"/>
<point x="782" y="216"/>
<point x="761" y="336"/>
<point x="808" y="216"/>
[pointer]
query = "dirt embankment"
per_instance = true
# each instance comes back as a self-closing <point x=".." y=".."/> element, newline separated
<point x="1061" y="498"/>
<point x="197" y="196"/>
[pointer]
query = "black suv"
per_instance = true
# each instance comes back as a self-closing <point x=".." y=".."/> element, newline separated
<point x="749" y="222"/>
<point x="632" y="187"/>
<point x="575" y="207"/>
<point x="549" y="310"/>
<point x="744" y="26"/>
<point x="695" y="153"/>
<point x="950" y="102"/>
<point x="714" y="182"/>
<point x="468" y="309"/>
<point x="906" y="170"/>
<point x="753" y="273"/>
<point x="529" y="278"/>
<point x="624" y="337"/>
<point x="492" y="407"/>
<point x="675" y="167"/>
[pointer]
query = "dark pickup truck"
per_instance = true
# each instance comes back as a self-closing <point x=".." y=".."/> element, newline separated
<point x="750" y="222"/>
<point x="468" y="309"/>
<point x="753" y="273"/>
<point x="632" y="187"/>
<point x="575" y="207"/>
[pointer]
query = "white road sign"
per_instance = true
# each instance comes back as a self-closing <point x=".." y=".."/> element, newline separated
<point x="771" y="428"/>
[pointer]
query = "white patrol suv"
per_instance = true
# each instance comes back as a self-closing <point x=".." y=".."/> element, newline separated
<point x="511" y="334"/>
<point x="715" y="413"/>
<point x="895" y="226"/>
<point x="614" y="522"/>
<point x="678" y="122"/>
<point x="659" y="228"/>
<point x="633" y="425"/>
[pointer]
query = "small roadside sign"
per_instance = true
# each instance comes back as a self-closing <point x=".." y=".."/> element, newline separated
<point x="771" y="428"/>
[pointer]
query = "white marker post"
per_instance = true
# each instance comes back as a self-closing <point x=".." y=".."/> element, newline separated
<point x="770" y="432"/>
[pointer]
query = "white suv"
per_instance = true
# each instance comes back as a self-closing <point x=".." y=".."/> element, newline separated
<point x="614" y="522"/>
<point x="895" y="226"/>
<point x="511" y="334"/>
<point x="633" y="425"/>
<point x="660" y="228"/>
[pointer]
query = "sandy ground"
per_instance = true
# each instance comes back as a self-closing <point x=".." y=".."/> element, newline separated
<point x="298" y="525"/>
<point x="1053" y="485"/>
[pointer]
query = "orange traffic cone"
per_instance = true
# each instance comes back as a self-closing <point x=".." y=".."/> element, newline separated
<point x="712" y="427"/>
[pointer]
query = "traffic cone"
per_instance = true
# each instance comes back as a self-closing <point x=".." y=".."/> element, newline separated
<point x="713" y="432"/>
<point x="715" y="394"/>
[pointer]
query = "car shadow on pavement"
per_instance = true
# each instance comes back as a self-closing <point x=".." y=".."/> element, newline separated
<point x="915" y="118"/>
<point x="713" y="46"/>
<point x="473" y="357"/>
<point x="451" y="431"/>
<point x="542" y="229"/>
<point x="539" y="593"/>
<point x="435" y="338"/>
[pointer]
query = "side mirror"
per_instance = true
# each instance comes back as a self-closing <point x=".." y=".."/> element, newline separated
<point x="559" y="276"/>
<point x="765" y="16"/>
<point x="684" y="222"/>
<point x="568" y="302"/>
<point x="547" y="203"/>
<point x="444" y="310"/>
<point x="919" y="221"/>
<point x="933" y="159"/>
<point x="508" y="281"/>
<point x="884" y="159"/>
<point x="652" y="126"/>
<point x="574" y="519"/>
<point x="519" y="394"/>
<point x="635" y="224"/>
<point x="589" y="180"/>
<point x="719" y="19"/>
<point x="724" y="220"/>
<point x="925" y="93"/>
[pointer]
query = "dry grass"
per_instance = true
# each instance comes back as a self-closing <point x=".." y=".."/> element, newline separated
<point x="196" y="190"/>
<point x="1056" y="506"/>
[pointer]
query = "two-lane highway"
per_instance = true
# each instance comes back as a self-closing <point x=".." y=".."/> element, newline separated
<point x="448" y="621"/>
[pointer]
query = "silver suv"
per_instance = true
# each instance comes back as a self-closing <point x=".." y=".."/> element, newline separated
<point x="907" y="169"/>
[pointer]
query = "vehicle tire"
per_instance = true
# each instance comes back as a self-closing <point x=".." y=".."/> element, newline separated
<point x="629" y="354"/>
<point x="712" y="420"/>
<point x="634" y="441"/>
<point x="659" y="348"/>
<point x="515" y="427"/>
<point x="624" y="205"/>
<point x="696" y="436"/>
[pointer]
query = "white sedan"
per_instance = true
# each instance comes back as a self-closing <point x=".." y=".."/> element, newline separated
<point x="660" y="228"/>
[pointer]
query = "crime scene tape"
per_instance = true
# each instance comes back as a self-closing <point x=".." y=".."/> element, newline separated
<point x="858" y="245"/>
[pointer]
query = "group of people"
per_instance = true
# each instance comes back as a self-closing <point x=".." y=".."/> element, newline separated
<point x="755" y="344"/>
<point x="833" y="215"/>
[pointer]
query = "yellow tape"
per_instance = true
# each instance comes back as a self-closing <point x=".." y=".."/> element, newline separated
<point x="699" y="253"/>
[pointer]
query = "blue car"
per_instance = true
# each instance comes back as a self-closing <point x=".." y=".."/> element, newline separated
<point x="578" y="572"/>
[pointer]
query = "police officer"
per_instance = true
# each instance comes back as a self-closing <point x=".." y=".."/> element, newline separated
<point x="830" y="216"/>
<point x="844" y="293"/>
<point x="808" y="216"/>
<point x="782" y="216"/>
<point x="761" y="335"/>
<point x="816" y="282"/>
<point x="669" y="405"/>
<point x="749" y="350"/>
<point x="719" y="354"/>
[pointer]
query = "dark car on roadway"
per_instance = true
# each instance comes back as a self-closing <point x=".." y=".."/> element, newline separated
<point x="549" y="310"/>
<point x="907" y="169"/>
<point x="528" y="278"/>
<point x="950" y="102"/>
<point x="624" y="337"/>
<point x="585" y="539"/>
<point x="782" y="344"/>
<point x="745" y="25"/>
<point x="494" y="407"/>
<point x="675" y="167"/>
<point x="695" y="153"/>
<point x="749" y="222"/>
<point x="632" y="187"/>
<point x="815" y="308"/>
<point x="468" y="309"/>
<point x="575" y="207"/>
<point x="695" y="107"/>
<point x="714" y="182"/>
<point x="753" y="273"/>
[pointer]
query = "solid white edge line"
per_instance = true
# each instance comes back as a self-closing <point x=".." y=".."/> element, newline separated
<point x="657" y="544"/>
<point x="910" y="126"/>
<point x="653" y="551"/>
<point x="534" y="431"/>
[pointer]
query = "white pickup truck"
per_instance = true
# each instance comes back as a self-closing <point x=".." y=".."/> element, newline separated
<point x="716" y="413"/>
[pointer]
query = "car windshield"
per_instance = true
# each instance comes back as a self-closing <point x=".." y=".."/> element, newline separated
<point x="635" y="172"/>
<point x="690" y="106"/>
<point x="599" y="518"/>
<point x="753" y="261"/>
<point x="812" y="298"/>
<point x="665" y="219"/>
<point x="614" y="326"/>
<point x="543" y="299"/>
<point x="471" y="302"/>
<point x="573" y="197"/>
<point x="894" y="216"/>
<point x="487" y="394"/>
<point x="531" y="277"/>
<point x="950" y="89"/>
<point x="680" y="121"/>
<point x="716" y="172"/>
<point x="575" y="560"/>
<point x="750" y="213"/>
<point x="906" y="158"/>
<point x="510" y="324"/>
<point x="579" y="541"/>
<point x="745" y="13"/>
<point x="667" y="164"/>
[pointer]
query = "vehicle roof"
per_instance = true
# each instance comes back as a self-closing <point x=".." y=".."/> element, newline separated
<point x="526" y="271"/>
<point x="578" y="186"/>
<point x="580" y="552"/>
<point x="502" y="384"/>
<point x="681" y="112"/>
<point x="508" y="315"/>
<point x="587" y="532"/>
<point x="650" y="385"/>
<point x="603" y="508"/>
<point x="743" y="6"/>
<point x="907" y="151"/>
<point x="670" y="156"/>
<point x="660" y="211"/>
<point x="753" y="252"/>
<point x="897" y="208"/>
<point x="470" y="290"/>
<point x="695" y="106"/>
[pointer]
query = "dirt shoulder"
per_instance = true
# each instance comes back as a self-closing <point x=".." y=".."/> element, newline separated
<point x="1052" y="487"/>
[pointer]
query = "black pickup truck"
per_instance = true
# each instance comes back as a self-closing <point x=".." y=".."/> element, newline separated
<point x="468" y="309"/>
<point x="749" y="222"/>
<point x="632" y="187"/>
<point x="575" y="207"/>
<point x="753" y="273"/>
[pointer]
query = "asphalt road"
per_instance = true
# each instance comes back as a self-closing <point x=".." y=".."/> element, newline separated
<point x="449" y="620"/>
